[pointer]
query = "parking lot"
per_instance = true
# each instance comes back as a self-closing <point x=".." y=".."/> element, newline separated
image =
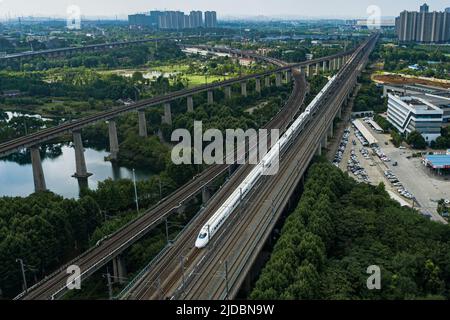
<point x="405" y="177"/>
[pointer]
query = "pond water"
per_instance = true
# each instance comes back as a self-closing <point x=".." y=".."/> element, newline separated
<point x="16" y="177"/>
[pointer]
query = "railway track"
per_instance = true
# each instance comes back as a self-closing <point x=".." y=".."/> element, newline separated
<point x="238" y="246"/>
<point x="151" y="286"/>
<point x="180" y="278"/>
<point x="41" y="136"/>
<point x="53" y="286"/>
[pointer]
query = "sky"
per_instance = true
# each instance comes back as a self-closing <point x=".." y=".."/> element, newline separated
<point x="224" y="8"/>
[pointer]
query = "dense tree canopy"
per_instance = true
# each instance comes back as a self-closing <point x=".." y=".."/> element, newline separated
<point x="341" y="227"/>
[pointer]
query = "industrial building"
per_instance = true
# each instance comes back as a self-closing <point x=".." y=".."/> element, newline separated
<point x="409" y="113"/>
<point x="439" y="163"/>
<point x="437" y="96"/>
<point x="423" y="26"/>
<point x="174" y="20"/>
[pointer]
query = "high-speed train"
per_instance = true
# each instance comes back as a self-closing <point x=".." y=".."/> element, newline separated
<point x="220" y="216"/>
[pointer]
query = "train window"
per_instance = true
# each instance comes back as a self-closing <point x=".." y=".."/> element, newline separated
<point x="202" y="235"/>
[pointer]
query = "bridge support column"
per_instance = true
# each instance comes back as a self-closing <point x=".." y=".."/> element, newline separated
<point x="119" y="270"/>
<point x="227" y="92"/>
<point x="80" y="161"/>
<point x="267" y="82"/>
<point x="288" y="76"/>
<point x="38" y="172"/>
<point x="307" y="70"/>
<point x="324" y="140"/>
<point x="330" y="131"/>
<point x="278" y="79"/>
<point x="210" y="97"/>
<point x="317" y="68"/>
<point x="319" y="149"/>
<point x="340" y="113"/>
<point x="114" y="141"/>
<point x="258" y="85"/>
<point x="167" y="114"/>
<point x="142" y="124"/>
<point x="244" y="88"/>
<point x="190" y="104"/>
<point x="338" y="63"/>
<point x="324" y="66"/>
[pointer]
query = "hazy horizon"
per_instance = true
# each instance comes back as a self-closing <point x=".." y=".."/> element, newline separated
<point x="225" y="9"/>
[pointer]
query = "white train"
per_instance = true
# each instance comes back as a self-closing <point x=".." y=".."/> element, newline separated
<point x="220" y="216"/>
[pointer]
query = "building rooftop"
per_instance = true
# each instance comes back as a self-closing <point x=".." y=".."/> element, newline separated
<point x="438" y="161"/>
<point x="365" y="132"/>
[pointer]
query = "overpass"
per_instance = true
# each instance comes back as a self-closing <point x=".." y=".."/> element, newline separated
<point x="32" y="141"/>
<point x="89" y="48"/>
<point x="218" y="271"/>
<point x="110" y="250"/>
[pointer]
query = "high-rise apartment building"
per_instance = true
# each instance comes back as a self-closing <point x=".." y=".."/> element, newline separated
<point x="174" y="20"/>
<point x="423" y="26"/>
<point x="210" y="19"/>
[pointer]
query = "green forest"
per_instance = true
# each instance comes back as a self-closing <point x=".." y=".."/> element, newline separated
<point x="339" y="229"/>
<point x="46" y="230"/>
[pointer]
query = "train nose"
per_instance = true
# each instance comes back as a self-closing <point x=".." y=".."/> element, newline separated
<point x="201" y="243"/>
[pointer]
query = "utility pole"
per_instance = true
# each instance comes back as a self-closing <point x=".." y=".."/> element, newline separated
<point x="23" y="274"/>
<point x="135" y="191"/>
<point x="182" y="271"/>
<point x="226" y="279"/>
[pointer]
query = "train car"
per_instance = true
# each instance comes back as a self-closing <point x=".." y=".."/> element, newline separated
<point x="220" y="216"/>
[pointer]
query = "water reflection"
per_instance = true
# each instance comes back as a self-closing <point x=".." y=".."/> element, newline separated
<point x="16" y="179"/>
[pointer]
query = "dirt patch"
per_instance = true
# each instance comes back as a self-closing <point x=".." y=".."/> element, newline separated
<point x="399" y="79"/>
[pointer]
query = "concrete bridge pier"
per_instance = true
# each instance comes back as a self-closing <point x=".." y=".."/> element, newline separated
<point x="38" y="172"/>
<point x="190" y="104"/>
<point x="319" y="149"/>
<point x="288" y="76"/>
<point x="142" y="124"/>
<point x="227" y="92"/>
<point x="119" y="270"/>
<point x="324" y="66"/>
<point x="210" y="96"/>
<point x="338" y="63"/>
<point x="258" y="85"/>
<point x="113" y="140"/>
<point x="330" y="131"/>
<point x="80" y="162"/>
<point x="267" y="82"/>
<point x="307" y="70"/>
<point x="244" y="88"/>
<point x="278" y="79"/>
<point x="324" y="140"/>
<point x="167" y="119"/>
<point x="339" y="114"/>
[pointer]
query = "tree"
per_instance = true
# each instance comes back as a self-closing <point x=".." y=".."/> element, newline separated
<point x="416" y="140"/>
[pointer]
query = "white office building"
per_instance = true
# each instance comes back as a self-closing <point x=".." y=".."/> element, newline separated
<point x="407" y="114"/>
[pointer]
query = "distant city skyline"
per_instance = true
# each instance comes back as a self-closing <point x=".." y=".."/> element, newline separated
<point x="225" y="9"/>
